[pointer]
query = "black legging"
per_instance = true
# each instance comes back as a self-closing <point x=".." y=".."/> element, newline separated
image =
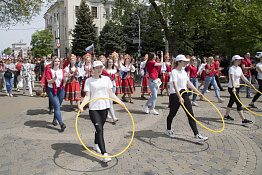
<point x="174" y="106"/>
<point x="98" y="118"/>
<point x="260" y="89"/>
<point x="234" y="99"/>
<point x="218" y="83"/>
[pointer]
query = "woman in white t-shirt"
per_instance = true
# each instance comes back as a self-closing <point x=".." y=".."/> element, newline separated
<point x="235" y="73"/>
<point x="178" y="83"/>
<point x="56" y="76"/>
<point x="259" y="70"/>
<point x="202" y="72"/>
<point x="95" y="87"/>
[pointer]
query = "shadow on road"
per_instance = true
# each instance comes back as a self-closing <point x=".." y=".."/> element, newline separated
<point x="41" y="124"/>
<point x="78" y="150"/>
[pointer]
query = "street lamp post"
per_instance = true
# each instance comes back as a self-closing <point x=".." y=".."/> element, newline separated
<point x="139" y="41"/>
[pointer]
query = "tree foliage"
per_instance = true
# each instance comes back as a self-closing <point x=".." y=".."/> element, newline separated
<point x="8" y="51"/>
<point x="85" y="33"/>
<point x="41" y="43"/>
<point x="14" y="11"/>
<point x="112" y="38"/>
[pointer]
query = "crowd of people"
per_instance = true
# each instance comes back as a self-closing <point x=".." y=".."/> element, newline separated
<point x="85" y="78"/>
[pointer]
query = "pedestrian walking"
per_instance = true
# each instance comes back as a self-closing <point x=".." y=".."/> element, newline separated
<point x="2" y="78"/>
<point x="235" y="73"/>
<point x="151" y="68"/>
<point x="145" y="89"/>
<point x="192" y="74"/>
<point x="166" y="70"/>
<point x="9" y="69"/>
<point x="178" y="84"/>
<point x="26" y="75"/>
<point x="55" y="77"/>
<point x="99" y="86"/>
<point x="259" y="70"/>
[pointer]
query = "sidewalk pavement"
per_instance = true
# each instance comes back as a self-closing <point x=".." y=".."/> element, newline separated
<point x="30" y="144"/>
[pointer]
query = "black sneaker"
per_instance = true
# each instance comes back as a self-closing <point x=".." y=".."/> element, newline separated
<point x="222" y="89"/>
<point x="246" y="122"/>
<point x="63" y="126"/>
<point x="252" y="105"/>
<point x="228" y="118"/>
<point x="54" y="122"/>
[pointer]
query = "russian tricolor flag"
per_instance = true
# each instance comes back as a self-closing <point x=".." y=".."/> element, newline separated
<point x="90" y="49"/>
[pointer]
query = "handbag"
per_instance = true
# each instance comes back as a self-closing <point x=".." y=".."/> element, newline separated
<point x="8" y="74"/>
<point x="157" y="82"/>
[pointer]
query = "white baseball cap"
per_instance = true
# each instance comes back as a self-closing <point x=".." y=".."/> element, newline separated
<point x="181" y="58"/>
<point x="97" y="63"/>
<point x="237" y="57"/>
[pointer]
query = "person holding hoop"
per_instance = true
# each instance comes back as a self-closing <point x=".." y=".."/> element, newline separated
<point x="235" y="73"/>
<point x="99" y="86"/>
<point x="259" y="79"/>
<point x="178" y="83"/>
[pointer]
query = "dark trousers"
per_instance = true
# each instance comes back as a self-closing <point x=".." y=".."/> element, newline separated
<point x="174" y="106"/>
<point x="98" y="118"/>
<point x="233" y="99"/>
<point x="260" y="89"/>
<point x="218" y="83"/>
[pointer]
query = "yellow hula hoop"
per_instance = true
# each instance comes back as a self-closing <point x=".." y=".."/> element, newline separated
<point x="98" y="154"/>
<point x="242" y="103"/>
<point x="198" y="121"/>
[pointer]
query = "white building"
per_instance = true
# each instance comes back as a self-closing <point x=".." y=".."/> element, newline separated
<point x="60" y="19"/>
<point x="21" y="49"/>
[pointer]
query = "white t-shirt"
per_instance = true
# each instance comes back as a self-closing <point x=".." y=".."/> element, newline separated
<point x="59" y="75"/>
<point x="259" y="74"/>
<point x="98" y="88"/>
<point x="72" y="69"/>
<point x="202" y="66"/>
<point x="180" y="77"/>
<point x="237" y="72"/>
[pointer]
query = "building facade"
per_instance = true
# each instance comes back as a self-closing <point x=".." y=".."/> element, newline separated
<point x="21" y="49"/>
<point x="60" y="19"/>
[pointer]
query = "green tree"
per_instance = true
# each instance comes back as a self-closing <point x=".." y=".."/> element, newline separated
<point x="85" y="32"/>
<point x="13" y="11"/>
<point x="8" y="51"/>
<point x="41" y="43"/>
<point x="112" y="38"/>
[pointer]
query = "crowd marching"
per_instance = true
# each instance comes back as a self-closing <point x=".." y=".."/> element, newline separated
<point x="87" y="77"/>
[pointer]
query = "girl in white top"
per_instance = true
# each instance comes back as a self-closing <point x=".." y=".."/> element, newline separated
<point x="259" y="70"/>
<point x="111" y="72"/>
<point x="202" y="72"/>
<point x="26" y="74"/>
<point x="178" y="83"/>
<point x="95" y="87"/>
<point x="32" y="73"/>
<point x="235" y="73"/>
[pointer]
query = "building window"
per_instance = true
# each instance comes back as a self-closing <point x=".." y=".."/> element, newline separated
<point x="76" y="10"/>
<point x="107" y="13"/>
<point x="94" y="12"/>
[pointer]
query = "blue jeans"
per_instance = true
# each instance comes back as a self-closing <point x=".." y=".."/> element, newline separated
<point x="248" y="88"/>
<point x="212" y="80"/>
<point x="111" y="109"/>
<point x="195" y="83"/>
<point x="9" y="84"/>
<point x="56" y="100"/>
<point x="154" y="90"/>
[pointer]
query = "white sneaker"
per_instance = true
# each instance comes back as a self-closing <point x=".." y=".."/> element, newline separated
<point x="106" y="159"/>
<point x="96" y="148"/>
<point x="146" y="109"/>
<point x="154" y="112"/>
<point x="170" y="133"/>
<point x="200" y="138"/>
<point x="220" y="100"/>
<point x="194" y="103"/>
<point x="207" y="91"/>
<point x="11" y="95"/>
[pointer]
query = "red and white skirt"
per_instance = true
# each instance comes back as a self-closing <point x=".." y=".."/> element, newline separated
<point x="118" y="85"/>
<point x="145" y="87"/>
<point x="203" y="76"/>
<point x="128" y="85"/>
<point x="72" y="91"/>
<point x="165" y="80"/>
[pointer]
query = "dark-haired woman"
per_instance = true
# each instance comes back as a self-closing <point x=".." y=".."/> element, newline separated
<point x="55" y="77"/>
<point x="95" y="87"/>
<point x="178" y="84"/>
<point x="72" y="87"/>
<point x="151" y="67"/>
